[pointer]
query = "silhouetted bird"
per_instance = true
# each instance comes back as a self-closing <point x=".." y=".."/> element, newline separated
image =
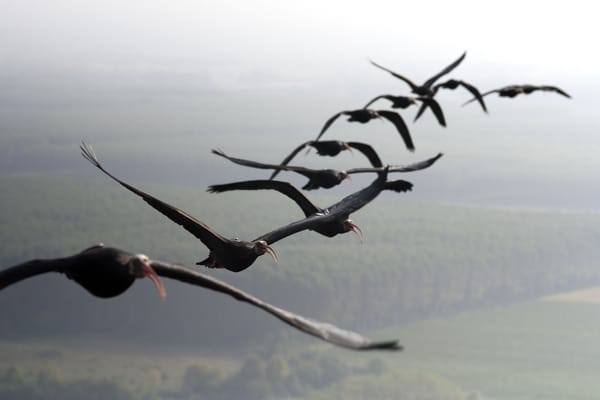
<point x="330" y="221"/>
<point x="426" y="89"/>
<point x="332" y="148"/>
<point x="326" y="178"/>
<point x="514" y="90"/>
<point x="364" y="115"/>
<point x="406" y="101"/>
<point x="453" y="84"/>
<point x="108" y="272"/>
<point x="331" y="228"/>
<point x="232" y="254"/>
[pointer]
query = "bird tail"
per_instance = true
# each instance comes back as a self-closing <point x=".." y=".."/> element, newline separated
<point x="399" y="186"/>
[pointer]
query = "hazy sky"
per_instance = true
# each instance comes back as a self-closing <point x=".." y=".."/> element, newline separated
<point x="222" y="72"/>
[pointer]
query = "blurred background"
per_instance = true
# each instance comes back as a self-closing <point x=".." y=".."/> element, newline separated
<point x="478" y="270"/>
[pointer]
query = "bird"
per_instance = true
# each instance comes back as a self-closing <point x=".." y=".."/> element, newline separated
<point x="426" y="88"/>
<point x="335" y="217"/>
<point x="364" y="115"/>
<point x="332" y="148"/>
<point x="103" y="271"/>
<point x="232" y="254"/>
<point x="107" y="272"/>
<point x="406" y="101"/>
<point x="514" y="90"/>
<point x="329" y="229"/>
<point x="327" y="178"/>
<point x="452" y="84"/>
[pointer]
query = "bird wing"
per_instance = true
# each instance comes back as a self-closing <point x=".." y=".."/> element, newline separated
<point x="406" y="80"/>
<point x="324" y="331"/>
<point x="446" y="70"/>
<point x="473" y="90"/>
<point x="368" y="152"/>
<point x="555" y="89"/>
<point x="308" y="172"/>
<point x="328" y="124"/>
<point x="28" y="269"/>
<point x="290" y="156"/>
<point x="383" y="96"/>
<point x="359" y="199"/>
<point x="485" y="94"/>
<point x="435" y="108"/>
<point x="400" y="125"/>
<point x="400" y="168"/>
<point x="282" y="187"/>
<point x="210" y="238"/>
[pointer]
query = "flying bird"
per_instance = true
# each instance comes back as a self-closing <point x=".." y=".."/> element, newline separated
<point x="514" y="90"/>
<point x="232" y="254"/>
<point x="426" y="89"/>
<point x="453" y="84"/>
<point x="327" y="178"/>
<point x="406" y="101"/>
<point x="107" y="272"/>
<point x="332" y="148"/>
<point x="331" y="228"/>
<point x="364" y="115"/>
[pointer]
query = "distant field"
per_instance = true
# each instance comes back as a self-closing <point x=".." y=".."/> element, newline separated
<point x="589" y="296"/>
<point x="540" y="349"/>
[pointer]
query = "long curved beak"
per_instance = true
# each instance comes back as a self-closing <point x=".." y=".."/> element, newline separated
<point x="272" y="253"/>
<point x="153" y="276"/>
<point x="349" y="177"/>
<point x="354" y="228"/>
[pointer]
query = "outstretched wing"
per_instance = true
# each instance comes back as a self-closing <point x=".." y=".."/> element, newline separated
<point x="328" y="124"/>
<point x="210" y="238"/>
<point x="28" y="269"/>
<point x="453" y="83"/>
<point x="282" y="187"/>
<point x="324" y="331"/>
<point x="400" y="125"/>
<point x="446" y="70"/>
<point x="383" y="96"/>
<point x="406" y="80"/>
<point x="308" y="172"/>
<point x="555" y="89"/>
<point x="290" y="156"/>
<point x="435" y="108"/>
<point x="400" y="168"/>
<point x="368" y="152"/>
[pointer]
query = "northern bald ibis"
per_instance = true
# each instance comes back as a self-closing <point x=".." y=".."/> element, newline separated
<point x="108" y="272"/>
<point x="514" y="90"/>
<point x="406" y="101"/>
<point x="332" y="148"/>
<point x="327" y="178"/>
<point x="364" y="115"/>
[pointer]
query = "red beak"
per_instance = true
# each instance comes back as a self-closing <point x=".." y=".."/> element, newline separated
<point x="356" y="230"/>
<point x="272" y="253"/>
<point x="153" y="276"/>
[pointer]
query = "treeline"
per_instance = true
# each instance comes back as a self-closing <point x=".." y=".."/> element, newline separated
<point x="418" y="259"/>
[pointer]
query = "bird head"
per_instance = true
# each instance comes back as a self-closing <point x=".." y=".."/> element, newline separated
<point x="341" y="175"/>
<point x="351" y="226"/>
<point x="140" y="267"/>
<point x="261" y="247"/>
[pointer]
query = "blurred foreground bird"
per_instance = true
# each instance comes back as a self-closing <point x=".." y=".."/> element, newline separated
<point x="514" y="90"/>
<point x="327" y="178"/>
<point x="232" y="254"/>
<point x="108" y="272"/>
<point x="364" y="115"/>
<point x="332" y="148"/>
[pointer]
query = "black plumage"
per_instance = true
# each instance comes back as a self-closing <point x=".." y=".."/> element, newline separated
<point x="108" y="272"/>
<point x="327" y="178"/>
<point x="515" y="90"/>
